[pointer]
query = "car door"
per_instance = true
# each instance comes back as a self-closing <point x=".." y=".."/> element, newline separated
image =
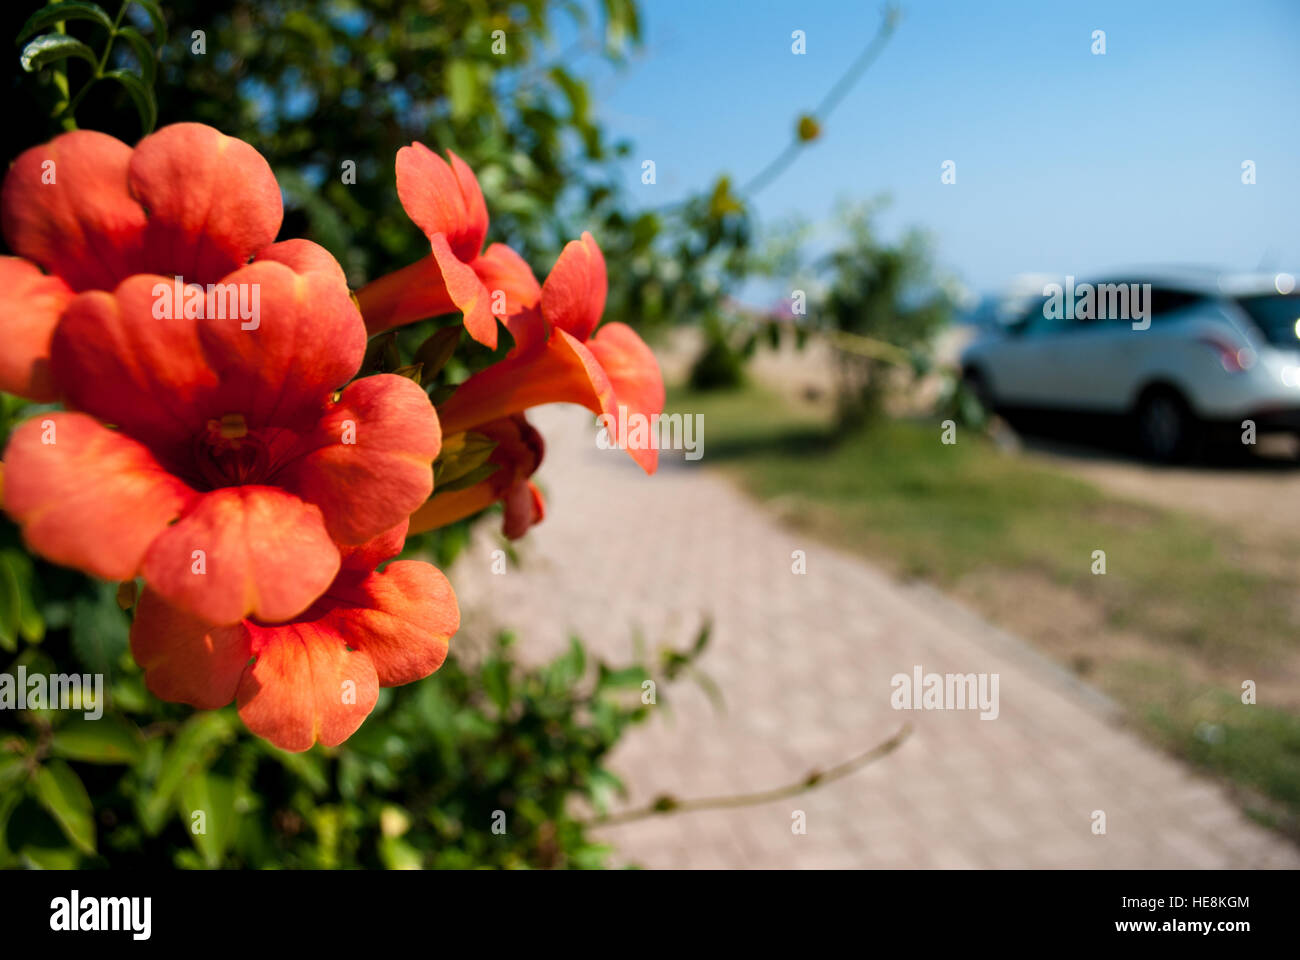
<point x="1106" y="357"/>
<point x="1027" y="364"/>
<point x="1091" y="360"/>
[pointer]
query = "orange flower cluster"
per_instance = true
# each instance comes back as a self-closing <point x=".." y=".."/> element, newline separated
<point x="216" y="440"/>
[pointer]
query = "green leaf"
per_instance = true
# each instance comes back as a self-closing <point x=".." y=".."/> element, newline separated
<point x="99" y="629"/>
<point x="141" y="96"/>
<point x="411" y="372"/>
<point x="11" y="601"/>
<point x="702" y="638"/>
<point x="214" y="797"/>
<point x="575" y="92"/>
<point x="461" y="457"/>
<point x="496" y="682"/>
<point x="156" y="17"/>
<point x="12" y="768"/>
<point x="397" y="854"/>
<point x="60" y="12"/>
<point x="305" y="767"/>
<point x="63" y="795"/>
<point x="44" y="858"/>
<point x="462" y="88"/>
<point x="441" y="395"/>
<point x="567" y="669"/>
<point x="626" y="677"/>
<point x="434" y="353"/>
<point x="19" y="616"/>
<point x="382" y="354"/>
<point x="53" y="47"/>
<point x="106" y="740"/>
<point x="143" y="50"/>
<point x="9" y="800"/>
<point x="465" y="481"/>
<point x="191" y="751"/>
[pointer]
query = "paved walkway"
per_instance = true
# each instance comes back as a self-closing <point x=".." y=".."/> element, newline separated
<point x="804" y="663"/>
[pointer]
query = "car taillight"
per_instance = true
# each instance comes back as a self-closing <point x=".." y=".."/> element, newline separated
<point x="1235" y="359"/>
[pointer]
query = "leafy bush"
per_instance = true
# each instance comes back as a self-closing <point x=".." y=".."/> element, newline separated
<point x="879" y="293"/>
<point x="489" y="764"/>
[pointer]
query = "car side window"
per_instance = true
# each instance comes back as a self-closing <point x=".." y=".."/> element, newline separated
<point x="1037" y="322"/>
<point x="1124" y="302"/>
<point x="1165" y="301"/>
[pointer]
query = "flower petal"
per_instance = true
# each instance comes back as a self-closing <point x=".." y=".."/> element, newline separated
<point x="369" y="462"/>
<point x="573" y="296"/>
<point x="503" y="271"/>
<point x="613" y="369"/>
<point x="467" y="292"/>
<point x="442" y="198"/>
<point x="305" y="686"/>
<point x="65" y="206"/>
<point x="364" y="557"/>
<point x="561" y="370"/>
<point x="149" y="376"/>
<point x="243" y="551"/>
<point x="524" y="507"/>
<point x="185" y="659"/>
<point x="419" y="291"/>
<point x="518" y="453"/>
<point x="402" y="618"/>
<point x="306" y="340"/>
<point x="404" y="296"/>
<point x="446" y="508"/>
<point x="31" y="303"/>
<point x="213" y="201"/>
<point x="86" y="496"/>
<point x="133" y="357"/>
<point x="634" y="374"/>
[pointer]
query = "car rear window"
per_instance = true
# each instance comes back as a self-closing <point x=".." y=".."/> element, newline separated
<point x="1277" y="316"/>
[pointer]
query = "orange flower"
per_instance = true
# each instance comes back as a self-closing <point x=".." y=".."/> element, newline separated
<point x="558" y="355"/>
<point x="444" y="200"/>
<point x="318" y="676"/>
<point x="557" y="358"/>
<point x="517" y="454"/>
<point x="234" y="464"/>
<point x="91" y="211"/>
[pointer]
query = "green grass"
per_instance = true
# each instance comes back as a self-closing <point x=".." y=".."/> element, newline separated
<point x="1198" y="612"/>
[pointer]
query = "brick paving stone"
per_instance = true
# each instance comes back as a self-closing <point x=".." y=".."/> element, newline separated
<point x="804" y="664"/>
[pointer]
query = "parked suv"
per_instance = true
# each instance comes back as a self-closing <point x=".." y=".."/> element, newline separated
<point x="1218" y="351"/>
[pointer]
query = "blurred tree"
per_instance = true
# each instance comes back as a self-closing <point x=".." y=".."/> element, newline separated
<point x="885" y="303"/>
<point x="329" y="90"/>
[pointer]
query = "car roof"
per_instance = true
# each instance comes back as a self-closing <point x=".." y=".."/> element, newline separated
<point x="1204" y="281"/>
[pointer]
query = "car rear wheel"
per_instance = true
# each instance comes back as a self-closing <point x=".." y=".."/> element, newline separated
<point x="1167" y="430"/>
<point x="978" y="387"/>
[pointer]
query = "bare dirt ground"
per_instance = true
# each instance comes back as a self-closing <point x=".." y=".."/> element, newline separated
<point x="1259" y="498"/>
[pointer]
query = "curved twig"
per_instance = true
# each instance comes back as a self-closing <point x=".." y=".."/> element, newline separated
<point x="665" y="804"/>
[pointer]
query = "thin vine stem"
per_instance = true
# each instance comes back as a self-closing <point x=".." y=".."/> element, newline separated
<point x="69" y="112"/>
<point x="662" y="806"/>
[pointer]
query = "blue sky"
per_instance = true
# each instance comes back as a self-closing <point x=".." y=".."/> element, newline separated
<point x="1066" y="162"/>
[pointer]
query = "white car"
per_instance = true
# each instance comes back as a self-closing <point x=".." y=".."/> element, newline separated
<point x="1217" y="351"/>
